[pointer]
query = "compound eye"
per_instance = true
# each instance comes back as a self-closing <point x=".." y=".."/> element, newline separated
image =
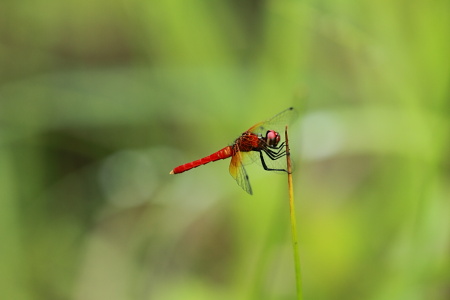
<point x="272" y="138"/>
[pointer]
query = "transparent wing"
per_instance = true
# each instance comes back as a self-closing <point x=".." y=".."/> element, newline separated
<point x="276" y="123"/>
<point x="238" y="172"/>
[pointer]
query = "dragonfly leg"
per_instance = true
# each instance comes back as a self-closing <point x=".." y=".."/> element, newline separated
<point x="264" y="163"/>
<point x="279" y="148"/>
<point x="275" y="154"/>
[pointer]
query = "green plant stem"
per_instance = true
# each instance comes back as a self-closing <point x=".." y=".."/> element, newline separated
<point x="298" y="278"/>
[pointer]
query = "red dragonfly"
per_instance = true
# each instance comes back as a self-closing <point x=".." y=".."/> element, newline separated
<point x="260" y="139"/>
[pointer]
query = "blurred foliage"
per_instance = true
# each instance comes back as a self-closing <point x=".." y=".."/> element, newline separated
<point x="100" y="99"/>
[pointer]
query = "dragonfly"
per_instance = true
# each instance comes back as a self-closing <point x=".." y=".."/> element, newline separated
<point x="261" y="142"/>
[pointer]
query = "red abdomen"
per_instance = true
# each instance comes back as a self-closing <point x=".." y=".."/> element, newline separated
<point x="221" y="154"/>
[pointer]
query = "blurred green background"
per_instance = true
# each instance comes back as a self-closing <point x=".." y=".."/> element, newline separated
<point x="99" y="100"/>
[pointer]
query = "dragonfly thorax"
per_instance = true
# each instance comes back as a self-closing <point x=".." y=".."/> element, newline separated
<point x="272" y="138"/>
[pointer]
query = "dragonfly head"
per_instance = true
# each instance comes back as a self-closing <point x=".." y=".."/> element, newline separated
<point x="272" y="138"/>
